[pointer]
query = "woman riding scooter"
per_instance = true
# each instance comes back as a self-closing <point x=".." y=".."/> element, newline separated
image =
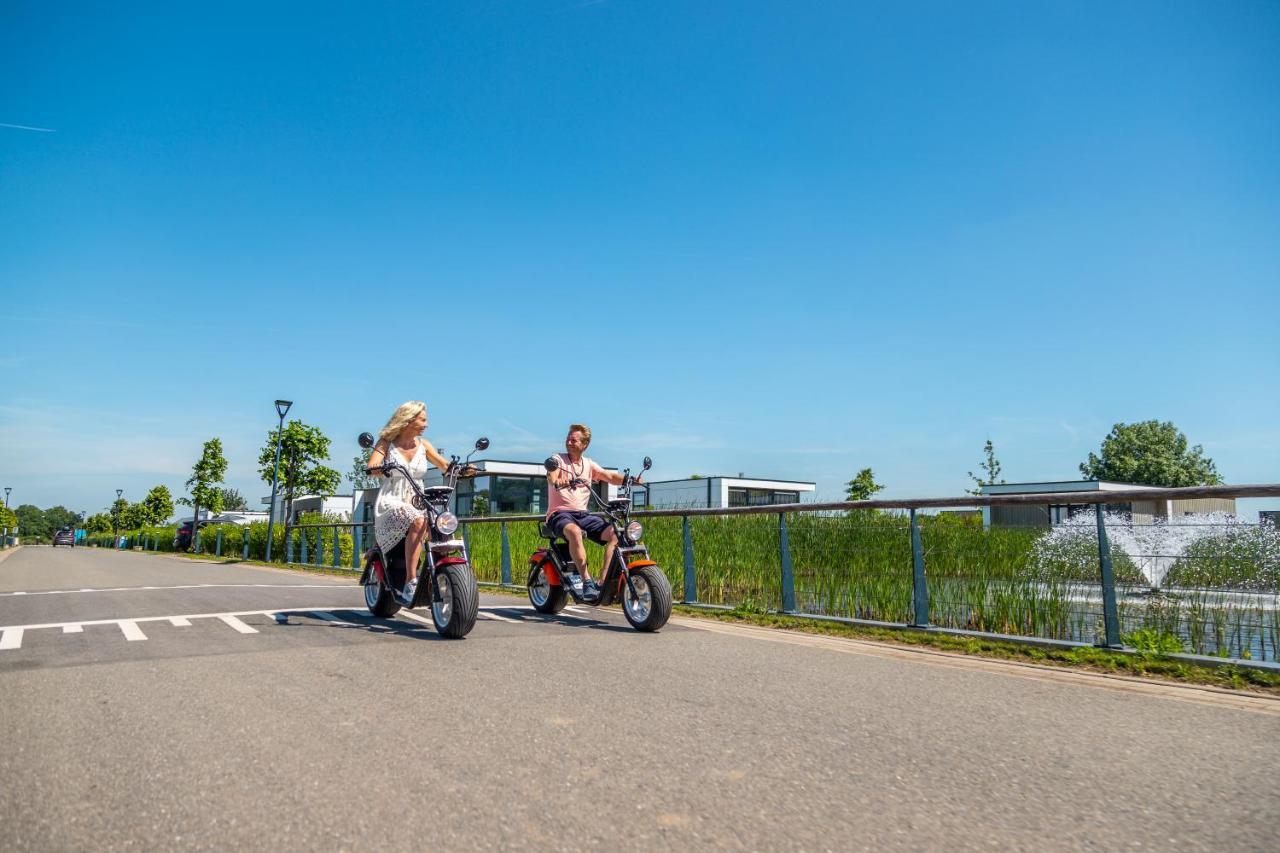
<point x="395" y="517"/>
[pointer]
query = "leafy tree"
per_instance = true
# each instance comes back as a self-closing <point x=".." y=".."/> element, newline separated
<point x="31" y="521"/>
<point x="8" y="520"/>
<point x="57" y="517"/>
<point x="1150" y="453"/>
<point x="359" y="479"/>
<point x="134" y="517"/>
<point x="118" y="511"/>
<point x="990" y="468"/>
<point x="302" y="450"/>
<point x="233" y="500"/>
<point x="206" y="474"/>
<point x="480" y="503"/>
<point x="696" y="477"/>
<point x="99" y="522"/>
<point x="157" y="506"/>
<point x="862" y="486"/>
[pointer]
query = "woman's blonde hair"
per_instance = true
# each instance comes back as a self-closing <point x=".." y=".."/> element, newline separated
<point x="400" y="419"/>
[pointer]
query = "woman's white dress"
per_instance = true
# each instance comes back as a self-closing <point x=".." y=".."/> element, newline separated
<point x="393" y="513"/>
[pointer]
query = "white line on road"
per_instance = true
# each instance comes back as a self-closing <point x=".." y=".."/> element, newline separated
<point x="238" y="625"/>
<point x="186" y="616"/>
<point x="179" y="622"/>
<point x="11" y="638"/>
<point x="329" y="617"/>
<point x="131" y="630"/>
<point x="485" y="614"/>
<point x="179" y="586"/>
<point x="73" y="629"/>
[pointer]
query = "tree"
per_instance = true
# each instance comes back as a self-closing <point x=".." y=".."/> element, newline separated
<point x="118" y="510"/>
<point x="233" y="500"/>
<point x="31" y="521"/>
<point x="156" y="507"/>
<point x="990" y="467"/>
<point x="359" y="479"/>
<point x="58" y="517"/>
<point x="99" y="522"/>
<point x="206" y="474"/>
<point x="862" y="487"/>
<point x="8" y="520"/>
<point x="480" y="503"/>
<point x="302" y="449"/>
<point x="134" y="517"/>
<point x="1150" y="453"/>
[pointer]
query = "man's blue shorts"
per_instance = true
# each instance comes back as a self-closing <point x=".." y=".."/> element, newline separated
<point x="592" y="525"/>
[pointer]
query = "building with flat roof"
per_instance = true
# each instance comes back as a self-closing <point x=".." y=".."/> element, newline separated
<point x="720" y="492"/>
<point x="1051" y="513"/>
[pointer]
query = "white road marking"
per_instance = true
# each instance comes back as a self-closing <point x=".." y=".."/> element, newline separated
<point x="329" y="617"/>
<point x="73" y="629"/>
<point x="238" y="625"/>
<point x="131" y="630"/>
<point x="415" y="617"/>
<point x="179" y="622"/>
<point x="179" y="586"/>
<point x="484" y="614"/>
<point x="11" y="638"/>
<point x="577" y="610"/>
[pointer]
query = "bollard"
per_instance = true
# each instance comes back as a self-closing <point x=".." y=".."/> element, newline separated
<point x="337" y="552"/>
<point x="919" y="585"/>
<point x="357" y="544"/>
<point x="1110" y="614"/>
<point x="244" y="542"/>
<point x="304" y="547"/>
<point x="506" y="556"/>
<point x="217" y="547"/>
<point x="288" y="546"/>
<point x="690" y="576"/>
<point x="788" y="576"/>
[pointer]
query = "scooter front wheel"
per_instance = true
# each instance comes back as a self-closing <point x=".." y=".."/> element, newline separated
<point x="545" y="597"/>
<point x="456" y="601"/>
<point x="650" y="607"/>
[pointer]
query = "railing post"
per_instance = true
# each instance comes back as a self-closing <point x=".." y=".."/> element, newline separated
<point x="288" y="546"/>
<point x="690" y="576"/>
<point x="244" y="541"/>
<point x="466" y="541"/>
<point x="195" y="534"/>
<point x="919" y="585"/>
<point x="217" y="550"/>
<point x="788" y="577"/>
<point x="357" y="544"/>
<point x="506" y="556"/>
<point x="304" y="547"/>
<point x="337" y="552"/>
<point x="1110" y="614"/>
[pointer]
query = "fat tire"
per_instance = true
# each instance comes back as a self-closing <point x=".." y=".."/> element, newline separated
<point x="557" y="598"/>
<point x="466" y="601"/>
<point x="660" y="595"/>
<point x="383" y="603"/>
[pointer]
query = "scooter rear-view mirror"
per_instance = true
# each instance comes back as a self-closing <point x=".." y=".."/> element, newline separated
<point x="551" y="464"/>
<point x="366" y="440"/>
<point x="648" y="463"/>
<point x="482" y="444"/>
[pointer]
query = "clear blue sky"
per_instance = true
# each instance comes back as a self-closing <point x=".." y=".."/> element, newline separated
<point x="788" y="239"/>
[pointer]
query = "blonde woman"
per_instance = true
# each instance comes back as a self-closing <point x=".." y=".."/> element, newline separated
<point x="395" y="517"/>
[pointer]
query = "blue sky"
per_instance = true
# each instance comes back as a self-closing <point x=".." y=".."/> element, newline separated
<point x="792" y="240"/>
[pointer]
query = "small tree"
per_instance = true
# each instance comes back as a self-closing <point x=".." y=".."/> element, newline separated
<point x="359" y="478"/>
<point x="99" y="522"/>
<point x="1150" y="453"/>
<point x="157" y="506"/>
<point x="302" y="449"/>
<point x="232" y="500"/>
<point x="862" y="486"/>
<point x="990" y="468"/>
<point x="480" y="503"/>
<point x="206" y="474"/>
<point x="8" y="520"/>
<point x="119" y="509"/>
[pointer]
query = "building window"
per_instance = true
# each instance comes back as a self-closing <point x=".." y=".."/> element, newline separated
<point x="522" y="495"/>
<point x="761" y="497"/>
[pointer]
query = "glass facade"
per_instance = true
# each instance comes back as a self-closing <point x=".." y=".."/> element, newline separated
<point x="761" y="497"/>
<point x="503" y="494"/>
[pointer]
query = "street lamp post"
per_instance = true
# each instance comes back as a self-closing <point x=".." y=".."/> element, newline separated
<point x="115" y="520"/>
<point x="4" y="539"/>
<point x="282" y="409"/>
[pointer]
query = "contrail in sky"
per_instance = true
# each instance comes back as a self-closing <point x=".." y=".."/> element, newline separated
<point x="24" y="127"/>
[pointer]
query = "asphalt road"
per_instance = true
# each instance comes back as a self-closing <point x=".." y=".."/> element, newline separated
<point x="144" y="704"/>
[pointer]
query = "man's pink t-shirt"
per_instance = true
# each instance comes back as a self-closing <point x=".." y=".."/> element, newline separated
<point x="572" y="498"/>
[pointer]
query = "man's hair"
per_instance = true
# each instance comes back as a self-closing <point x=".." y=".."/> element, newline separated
<point x="584" y="429"/>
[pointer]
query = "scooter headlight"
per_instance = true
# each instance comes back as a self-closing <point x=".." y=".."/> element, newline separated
<point x="634" y="531"/>
<point x="446" y="523"/>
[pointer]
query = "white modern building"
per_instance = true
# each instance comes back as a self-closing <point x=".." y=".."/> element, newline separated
<point x="1048" y="514"/>
<point x="334" y="505"/>
<point x="721" y="492"/>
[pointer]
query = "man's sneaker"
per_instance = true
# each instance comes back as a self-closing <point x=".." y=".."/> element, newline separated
<point x="591" y="590"/>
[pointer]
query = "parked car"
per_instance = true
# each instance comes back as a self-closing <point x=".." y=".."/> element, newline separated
<point x="64" y="536"/>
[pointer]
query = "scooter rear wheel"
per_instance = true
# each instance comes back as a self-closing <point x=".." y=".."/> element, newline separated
<point x="544" y="597"/>
<point x="380" y="600"/>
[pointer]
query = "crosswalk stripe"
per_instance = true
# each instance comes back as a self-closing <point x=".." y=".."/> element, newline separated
<point x="73" y="629"/>
<point x="329" y="617"/>
<point x="11" y="638"/>
<point x="484" y="614"/>
<point x="238" y="625"/>
<point x="179" y="622"/>
<point x="131" y="631"/>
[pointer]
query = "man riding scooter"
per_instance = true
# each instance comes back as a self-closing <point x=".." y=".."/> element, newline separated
<point x="568" y="487"/>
